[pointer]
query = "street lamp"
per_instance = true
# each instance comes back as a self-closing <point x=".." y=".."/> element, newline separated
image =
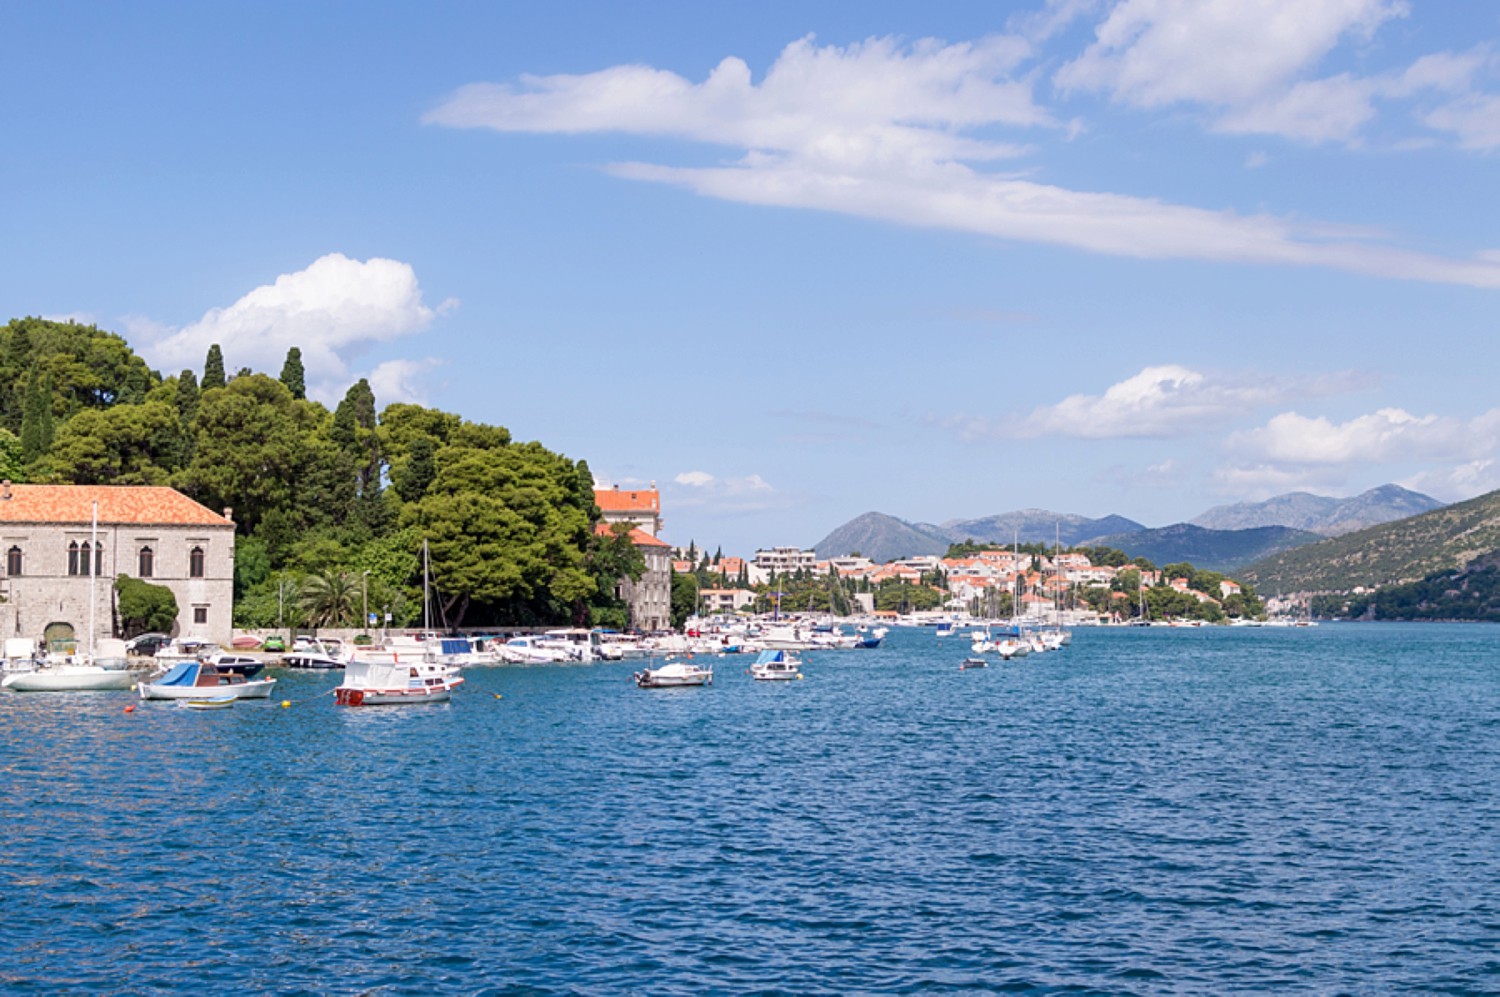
<point x="364" y="598"/>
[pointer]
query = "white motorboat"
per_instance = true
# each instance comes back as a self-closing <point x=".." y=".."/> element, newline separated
<point x="20" y="656"/>
<point x="533" y="651"/>
<point x="70" y="674"/>
<point x="380" y="678"/>
<point x="199" y="680"/>
<point x="776" y="665"/>
<point x="318" y="654"/>
<point x="674" y="674"/>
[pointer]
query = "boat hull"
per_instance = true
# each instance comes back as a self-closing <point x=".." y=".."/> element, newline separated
<point x="389" y="697"/>
<point x="667" y="678"/>
<point x="255" y="689"/>
<point x="70" y="680"/>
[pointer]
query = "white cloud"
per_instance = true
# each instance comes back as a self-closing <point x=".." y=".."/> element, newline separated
<point x="402" y="381"/>
<point x="858" y="106"/>
<point x="1156" y="52"/>
<point x="1475" y="119"/>
<point x="734" y="495"/>
<point x="1256" y="482"/>
<point x="1311" y="110"/>
<point x="1453" y="484"/>
<point x="1293" y="451"/>
<point x="1152" y="53"/>
<point x="332" y="310"/>
<point x="880" y="130"/>
<point x="1253" y="65"/>
<point x="1387" y="435"/>
<point x="1162" y="401"/>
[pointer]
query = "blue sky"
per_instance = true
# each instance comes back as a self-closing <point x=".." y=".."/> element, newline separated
<point x="794" y="262"/>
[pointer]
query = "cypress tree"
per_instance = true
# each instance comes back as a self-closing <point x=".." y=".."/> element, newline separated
<point x="187" y="396"/>
<point x="292" y="374"/>
<point x="213" y="368"/>
<point x="37" y="426"/>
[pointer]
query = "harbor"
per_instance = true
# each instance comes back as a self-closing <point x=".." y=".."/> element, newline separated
<point x="1216" y="804"/>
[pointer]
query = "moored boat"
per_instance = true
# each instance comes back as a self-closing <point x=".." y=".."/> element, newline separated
<point x="375" y="678"/>
<point x="317" y="654"/>
<point x="674" y="674"/>
<point x="69" y="675"/>
<point x="776" y="666"/>
<point x="213" y="703"/>
<point x="201" y="680"/>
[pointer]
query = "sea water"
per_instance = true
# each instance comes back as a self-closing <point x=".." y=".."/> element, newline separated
<point x="1148" y="811"/>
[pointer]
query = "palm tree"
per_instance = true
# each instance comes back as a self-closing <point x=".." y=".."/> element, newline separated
<point x="330" y="599"/>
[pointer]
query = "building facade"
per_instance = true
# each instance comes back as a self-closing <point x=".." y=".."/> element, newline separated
<point x="64" y="545"/>
<point x="649" y="597"/>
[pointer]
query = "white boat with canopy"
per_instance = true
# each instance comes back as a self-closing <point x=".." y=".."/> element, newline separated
<point x="776" y="666"/>
<point x="381" y="678"/>
<point x="198" y="680"/>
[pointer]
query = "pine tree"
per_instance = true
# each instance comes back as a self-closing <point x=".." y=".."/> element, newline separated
<point x="292" y="374"/>
<point x="213" y="368"/>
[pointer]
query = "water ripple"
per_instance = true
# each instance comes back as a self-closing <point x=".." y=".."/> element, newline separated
<point x="1185" y="812"/>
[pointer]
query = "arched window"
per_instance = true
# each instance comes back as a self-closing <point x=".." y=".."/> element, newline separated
<point x="147" y="562"/>
<point x="13" y="562"/>
<point x="195" y="563"/>
<point x="73" y="562"/>
<point x="98" y="559"/>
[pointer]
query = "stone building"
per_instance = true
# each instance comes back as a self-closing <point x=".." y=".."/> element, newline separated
<point x="50" y="544"/>
<point x="650" y="597"/>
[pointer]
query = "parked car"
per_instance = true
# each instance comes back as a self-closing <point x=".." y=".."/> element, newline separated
<point x="147" y="644"/>
<point x="275" y="642"/>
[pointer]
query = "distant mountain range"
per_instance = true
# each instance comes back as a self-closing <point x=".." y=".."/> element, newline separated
<point x="1445" y="539"/>
<point x="885" y="538"/>
<point x="1330" y="517"/>
<point x="1224" y="538"/>
<point x="1212" y="550"/>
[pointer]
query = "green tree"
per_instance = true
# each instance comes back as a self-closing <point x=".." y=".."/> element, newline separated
<point x="684" y="598"/>
<point x="37" y="426"/>
<point x="186" y="397"/>
<point x="506" y="528"/>
<point x="612" y="556"/>
<point x="213" y="368"/>
<point x="249" y="451"/>
<point x="292" y="374"/>
<point x="143" y="607"/>
<point x="11" y="465"/>
<point x="126" y="445"/>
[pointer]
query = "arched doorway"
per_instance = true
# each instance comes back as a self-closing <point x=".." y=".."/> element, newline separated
<point x="59" y="638"/>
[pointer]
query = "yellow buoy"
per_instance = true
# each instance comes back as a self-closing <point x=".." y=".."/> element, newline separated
<point x="285" y="703"/>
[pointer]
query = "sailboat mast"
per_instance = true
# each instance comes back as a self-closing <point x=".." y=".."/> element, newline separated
<point x="93" y="574"/>
<point x="426" y="597"/>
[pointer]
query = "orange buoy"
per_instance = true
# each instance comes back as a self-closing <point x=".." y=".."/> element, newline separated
<point x="130" y="708"/>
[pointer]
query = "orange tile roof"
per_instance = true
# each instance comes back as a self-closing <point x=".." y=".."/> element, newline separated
<point x="118" y="505"/>
<point x="643" y="539"/>
<point x="637" y="536"/>
<point x="615" y="500"/>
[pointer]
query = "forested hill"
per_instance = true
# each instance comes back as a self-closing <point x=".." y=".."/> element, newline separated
<point x="331" y="506"/>
<point x="1406" y="550"/>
